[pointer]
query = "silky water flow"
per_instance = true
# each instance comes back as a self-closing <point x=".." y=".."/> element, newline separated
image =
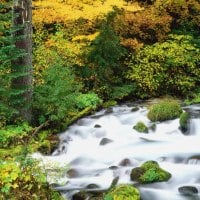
<point x="98" y="148"/>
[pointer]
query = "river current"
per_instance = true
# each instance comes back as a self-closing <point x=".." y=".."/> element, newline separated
<point x="98" y="148"/>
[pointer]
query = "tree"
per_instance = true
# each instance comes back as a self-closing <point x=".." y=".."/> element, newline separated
<point x="22" y="66"/>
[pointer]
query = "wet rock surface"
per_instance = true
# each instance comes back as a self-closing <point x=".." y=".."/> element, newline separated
<point x="105" y="141"/>
<point x="188" y="190"/>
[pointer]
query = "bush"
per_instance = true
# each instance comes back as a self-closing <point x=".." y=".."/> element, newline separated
<point x="120" y="92"/>
<point x="88" y="100"/>
<point x="166" y="109"/>
<point x="145" y="25"/>
<point x="54" y="98"/>
<point x="123" y="192"/>
<point x="185" y="13"/>
<point x="194" y="100"/>
<point x="24" y="175"/>
<point x="171" y="67"/>
<point x="141" y="127"/>
<point x="12" y="135"/>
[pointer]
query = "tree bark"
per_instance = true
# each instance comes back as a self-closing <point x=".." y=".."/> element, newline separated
<point x="22" y="66"/>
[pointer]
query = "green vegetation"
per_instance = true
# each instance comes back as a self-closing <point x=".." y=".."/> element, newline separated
<point x="88" y="100"/>
<point x="13" y="135"/>
<point x="184" y="121"/>
<point x="175" y="60"/>
<point x="166" y="109"/>
<point x="123" y="192"/>
<point x="88" y="54"/>
<point x="149" y="172"/>
<point x="24" y="173"/>
<point x="141" y="127"/>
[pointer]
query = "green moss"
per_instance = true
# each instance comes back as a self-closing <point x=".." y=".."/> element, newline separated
<point x="123" y="192"/>
<point x="184" y="120"/>
<point x="149" y="172"/>
<point x="141" y="127"/>
<point x="109" y="103"/>
<point x="166" y="109"/>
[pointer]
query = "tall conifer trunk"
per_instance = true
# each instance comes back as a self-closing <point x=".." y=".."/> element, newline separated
<point x="22" y="67"/>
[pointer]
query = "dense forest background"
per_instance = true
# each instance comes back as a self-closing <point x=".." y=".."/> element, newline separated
<point x="86" y="55"/>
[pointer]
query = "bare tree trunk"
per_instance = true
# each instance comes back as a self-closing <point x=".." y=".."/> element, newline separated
<point x="22" y="26"/>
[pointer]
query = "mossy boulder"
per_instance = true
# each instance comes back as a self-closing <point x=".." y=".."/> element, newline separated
<point x="123" y="192"/>
<point x="149" y="172"/>
<point x="184" y="121"/>
<point x="141" y="127"/>
<point x="166" y="109"/>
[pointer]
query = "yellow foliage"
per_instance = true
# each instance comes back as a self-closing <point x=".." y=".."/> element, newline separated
<point x="57" y="11"/>
<point x="88" y="38"/>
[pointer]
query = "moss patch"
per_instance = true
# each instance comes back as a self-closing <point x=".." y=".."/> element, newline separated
<point x="149" y="172"/>
<point x="141" y="127"/>
<point x="123" y="192"/>
<point x="166" y="109"/>
<point x="184" y="121"/>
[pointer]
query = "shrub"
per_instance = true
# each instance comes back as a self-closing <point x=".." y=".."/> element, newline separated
<point x="171" y="67"/>
<point x="56" y="96"/>
<point x="194" y="100"/>
<point x="12" y="135"/>
<point x="144" y="25"/>
<point x="123" y="192"/>
<point x="120" y="92"/>
<point x="141" y="127"/>
<point x="88" y="100"/>
<point x="164" y="110"/>
<point x="185" y="13"/>
<point x="25" y="175"/>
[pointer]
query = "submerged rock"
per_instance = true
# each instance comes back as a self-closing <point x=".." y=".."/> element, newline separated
<point x="92" y="186"/>
<point x="105" y="141"/>
<point x="134" y="109"/>
<point x="109" y="110"/>
<point x="149" y="172"/>
<point x="113" y="167"/>
<point x="72" y="173"/>
<point x="188" y="190"/>
<point x="125" y="162"/>
<point x="80" y="196"/>
<point x="97" y="126"/>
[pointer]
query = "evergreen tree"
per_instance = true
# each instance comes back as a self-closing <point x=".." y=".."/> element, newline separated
<point x="21" y="68"/>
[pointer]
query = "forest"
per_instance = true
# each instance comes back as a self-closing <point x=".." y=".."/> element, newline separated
<point x="67" y="59"/>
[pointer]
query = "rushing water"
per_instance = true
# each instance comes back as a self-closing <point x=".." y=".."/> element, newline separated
<point x="103" y="146"/>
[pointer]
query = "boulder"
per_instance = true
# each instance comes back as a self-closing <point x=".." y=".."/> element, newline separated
<point x="105" y="141"/>
<point x="134" y="109"/>
<point x="141" y="127"/>
<point x="184" y="121"/>
<point x="188" y="190"/>
<point x="72" y="173"/>
<point x="125" y="162"/>
<point x="149" y="172"/>
<point x="109" y="110"/>
<point x="97" y="126"/>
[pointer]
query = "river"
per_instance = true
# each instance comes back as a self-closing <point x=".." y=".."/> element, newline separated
<point x="103" y="146"/>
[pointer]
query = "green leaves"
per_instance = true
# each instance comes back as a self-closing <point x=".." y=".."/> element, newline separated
<point x="88" y="100"/>
<point x="55" y="97"/>
<point x="170" y="67"/>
